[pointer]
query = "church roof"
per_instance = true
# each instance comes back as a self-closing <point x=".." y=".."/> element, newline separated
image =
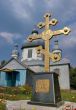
<point x="34" y="43"/>
<point x="33" y="62"/>
<point x="61" y="62"/>
<point x="13" y="64"/>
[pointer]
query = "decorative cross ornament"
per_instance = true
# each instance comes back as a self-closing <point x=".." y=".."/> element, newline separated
<point x="46" y="35"/>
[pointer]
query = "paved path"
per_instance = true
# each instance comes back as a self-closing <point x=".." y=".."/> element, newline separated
<point x="22" y="105"/>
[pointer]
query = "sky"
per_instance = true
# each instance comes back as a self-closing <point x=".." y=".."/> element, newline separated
<point x="19" y="17"/>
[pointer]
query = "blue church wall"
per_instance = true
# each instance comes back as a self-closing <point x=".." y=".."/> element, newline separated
<point x="19" y="80"/>
<point x="18" y="75"/>
<point x="3" y="81"/>
<point x="11" y="78"/>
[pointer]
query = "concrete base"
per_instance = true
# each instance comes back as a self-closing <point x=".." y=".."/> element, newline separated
<point x="23" y="105"/>
<point x="47" y="104"/>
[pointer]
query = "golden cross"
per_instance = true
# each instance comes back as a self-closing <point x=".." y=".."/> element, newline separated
<point x="46" y="35"/>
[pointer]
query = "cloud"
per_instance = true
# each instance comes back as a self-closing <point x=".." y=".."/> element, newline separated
<point x="70" y="42"/>
<point x="21" y="8"/>
<point x="15" y="15"/>
<point x="19" y="16"/>
<point x="64" y="10"/>
<point x="52" y="3"/>
<point x="9" y="37"/>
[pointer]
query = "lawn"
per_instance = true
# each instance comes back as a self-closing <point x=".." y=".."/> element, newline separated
<point x="2" y="106"/>
<point x="69" y="95"/>
<point x="13" y="93"/>
<point x="24" y="92"/>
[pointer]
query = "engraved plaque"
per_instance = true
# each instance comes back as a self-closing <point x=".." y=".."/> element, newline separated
<point x="42" y="85"/>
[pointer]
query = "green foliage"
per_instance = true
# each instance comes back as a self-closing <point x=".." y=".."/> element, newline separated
<point x="2" y="106"/>
<point x="3" y="62"/>
<point x="69" y="95"/>
<point x="16" y="90"/>
<point x="73" y="77"/>
<point x="15" y="93"/>
<point x="25" y="89"/>
<point x="24" y="93"/>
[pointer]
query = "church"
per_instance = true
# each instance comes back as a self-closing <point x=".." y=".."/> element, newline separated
<point x="14" y="73"/>
<point x="18" y="73"/>
<point x="36" y="61"/>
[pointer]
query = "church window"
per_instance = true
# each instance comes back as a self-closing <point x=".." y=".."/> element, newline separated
<point x="30" y="53"/>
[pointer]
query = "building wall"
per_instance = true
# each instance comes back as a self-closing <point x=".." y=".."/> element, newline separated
<point x="20" y="79"/>
<point x="64" y="79"/>
<point x="3" y="81"/>
<point x="34" y="54"/>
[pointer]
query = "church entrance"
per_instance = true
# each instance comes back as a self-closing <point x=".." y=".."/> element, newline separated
<point x="11" y="78"/>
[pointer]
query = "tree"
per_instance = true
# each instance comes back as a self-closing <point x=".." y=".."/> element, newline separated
<point x="3" y="62"/>
<point x="73" y="77"/>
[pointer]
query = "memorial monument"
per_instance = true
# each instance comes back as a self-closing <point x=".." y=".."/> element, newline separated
<point x="46" y="90"/>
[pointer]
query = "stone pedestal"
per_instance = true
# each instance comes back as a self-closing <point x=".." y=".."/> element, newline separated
<point x="46" y="90"/>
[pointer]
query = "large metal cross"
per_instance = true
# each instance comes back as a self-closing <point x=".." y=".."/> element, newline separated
<point x="46" y="35"/>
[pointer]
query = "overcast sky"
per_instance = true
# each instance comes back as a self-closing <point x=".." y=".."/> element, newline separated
<point x="19" y="17"/>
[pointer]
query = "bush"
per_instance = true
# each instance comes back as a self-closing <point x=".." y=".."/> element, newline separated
<point x="15" y="93"/>
<point x="25" y="89"/>
<point x="2" y="90"/>
<point x="16" y="90"/>
<point x="73" y="77"/>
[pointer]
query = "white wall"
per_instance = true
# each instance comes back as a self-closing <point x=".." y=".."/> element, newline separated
<point x="34" y="54"/>
<point x="64" y="79"/>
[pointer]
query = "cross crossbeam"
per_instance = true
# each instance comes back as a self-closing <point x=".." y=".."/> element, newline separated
<point x="46" y="35"/>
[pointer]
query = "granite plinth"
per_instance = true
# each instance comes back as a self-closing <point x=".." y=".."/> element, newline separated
<point x="46" y="90"/>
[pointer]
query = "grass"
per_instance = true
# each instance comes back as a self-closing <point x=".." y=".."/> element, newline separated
<point x="13" y="93"/>
<point x="21" y="94"/>
<point x="2" y="106"/>
<point x="69" y="95"/>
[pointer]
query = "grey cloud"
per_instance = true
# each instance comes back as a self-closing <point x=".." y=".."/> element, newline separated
<point x="21" y="16"/>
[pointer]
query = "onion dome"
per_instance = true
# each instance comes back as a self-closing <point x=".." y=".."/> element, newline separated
<point x="34" y="31"/>
<point x="34" y="43"/>
<point x="15" y="53"/>
<point x="56" y="47"/>
<point x="56" y="51"/>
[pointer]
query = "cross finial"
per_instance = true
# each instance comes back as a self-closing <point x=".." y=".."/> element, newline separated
<point x="46" y="35"/>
